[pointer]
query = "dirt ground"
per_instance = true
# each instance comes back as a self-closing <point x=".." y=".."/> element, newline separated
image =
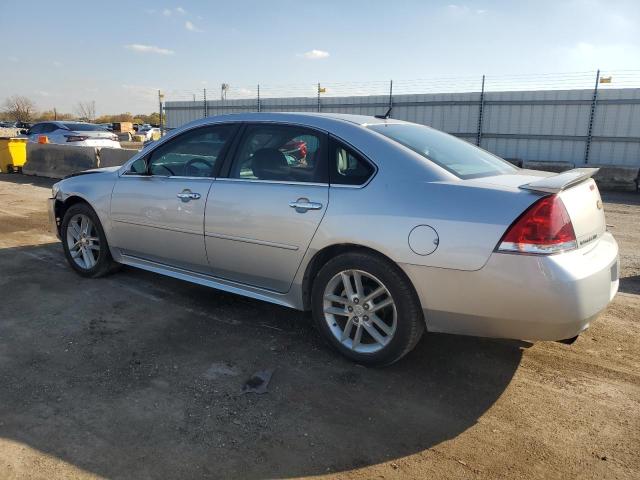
<point x="139" y="376"/>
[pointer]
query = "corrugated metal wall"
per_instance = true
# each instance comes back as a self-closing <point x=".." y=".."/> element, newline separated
<point x="548" y="125"/>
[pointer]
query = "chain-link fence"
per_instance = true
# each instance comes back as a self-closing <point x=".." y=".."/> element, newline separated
<point x="577" y="117"/>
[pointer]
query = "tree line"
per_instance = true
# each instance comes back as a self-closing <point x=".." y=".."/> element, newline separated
<point x="18" y="108"/>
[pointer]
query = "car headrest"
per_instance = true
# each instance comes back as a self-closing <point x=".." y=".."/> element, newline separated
<point x="270" y="164"/>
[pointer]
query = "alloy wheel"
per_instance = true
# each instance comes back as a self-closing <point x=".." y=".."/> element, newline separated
<point x="83" y="241"/>
<point x="360" y="311"/>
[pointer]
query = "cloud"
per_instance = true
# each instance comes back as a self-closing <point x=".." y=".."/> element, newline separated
<point x="315" y="54"/>
<point x="42" y="93"/>
<point x="166" y="12"/>
<point x="57" y="64"/>
<point x="454" y="9"/>
<point x="181" y="10"/>
<point x="191" y="27"/>
<point x="137" y="47"/>
<point x="13" y="59"/>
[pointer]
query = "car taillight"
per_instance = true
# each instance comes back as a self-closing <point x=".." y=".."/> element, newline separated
<point x="75" y="138"/>
<point x="544" y="228"/>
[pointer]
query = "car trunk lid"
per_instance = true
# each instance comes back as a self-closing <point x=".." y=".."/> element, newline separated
<point x="577" y="190"/>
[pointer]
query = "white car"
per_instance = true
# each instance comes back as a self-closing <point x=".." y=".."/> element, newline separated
<point x="73" y="133"/>
<point x="148" y="131"/>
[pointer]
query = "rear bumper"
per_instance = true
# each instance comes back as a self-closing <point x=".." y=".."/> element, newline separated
<point x="521" y="296"/>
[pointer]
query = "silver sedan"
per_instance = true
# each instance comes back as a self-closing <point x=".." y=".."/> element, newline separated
<point x="382" y="228"/>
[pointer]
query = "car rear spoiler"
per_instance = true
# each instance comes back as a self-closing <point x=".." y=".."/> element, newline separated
<point x="562" y="181"/>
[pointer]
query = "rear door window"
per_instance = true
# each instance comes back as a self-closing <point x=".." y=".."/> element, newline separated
<point x="285" y="153"/>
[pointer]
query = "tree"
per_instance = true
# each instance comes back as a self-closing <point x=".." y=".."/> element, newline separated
<point x="19" y="108"/>
<point x="86" y="111"/>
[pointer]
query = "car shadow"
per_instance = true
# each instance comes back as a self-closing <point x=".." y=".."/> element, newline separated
<point x="630" y="284"/>
<point x="140" y="376"/>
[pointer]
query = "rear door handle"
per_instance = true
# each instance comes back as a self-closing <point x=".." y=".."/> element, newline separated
<point x="187" y="195"/>
<point x="303" y="204"/>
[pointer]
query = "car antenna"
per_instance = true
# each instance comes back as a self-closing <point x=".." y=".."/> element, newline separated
<point x="386" y="115"/>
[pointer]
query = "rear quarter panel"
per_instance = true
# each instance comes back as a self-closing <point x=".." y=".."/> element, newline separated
<point x="469" y="219"/>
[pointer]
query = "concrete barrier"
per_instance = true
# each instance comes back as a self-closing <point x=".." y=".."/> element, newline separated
<point x="617" y="178"/>
<point x="124" y="136"/>
<point x="549" y="166"/>
<point x="114" y="157"/>
<point x="58" y="161"/>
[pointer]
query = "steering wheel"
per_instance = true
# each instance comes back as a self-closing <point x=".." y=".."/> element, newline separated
<point x="191" y="171"/>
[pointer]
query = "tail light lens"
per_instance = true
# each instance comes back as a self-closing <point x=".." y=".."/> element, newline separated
<point x="544" y="228"/>
<point x="75" y="138"/>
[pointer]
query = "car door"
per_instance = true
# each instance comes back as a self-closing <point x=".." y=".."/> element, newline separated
<point x="158" y="205"/>
<point x="261" y="218"/>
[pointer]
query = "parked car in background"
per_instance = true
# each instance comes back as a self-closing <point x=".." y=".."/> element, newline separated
<point x="24" y="125"/>
<point x="107" y="126"/>
<point x="149" y="132"/>
<point x="73" y="133"/>
<point x="385" y="230"/>
<point x="8" y="124"/>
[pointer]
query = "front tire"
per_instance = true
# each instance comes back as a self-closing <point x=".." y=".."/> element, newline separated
<point x="84" y="242"/>
<point x="366" y="308"/>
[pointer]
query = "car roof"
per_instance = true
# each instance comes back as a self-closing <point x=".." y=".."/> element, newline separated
<point x="320" y="120"/>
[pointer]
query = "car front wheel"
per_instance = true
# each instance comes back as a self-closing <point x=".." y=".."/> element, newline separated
<point x="366" y="308"/>
<point x="84" y="242"/>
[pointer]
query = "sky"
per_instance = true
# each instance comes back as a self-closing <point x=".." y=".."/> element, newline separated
<point x="119" y="54"/>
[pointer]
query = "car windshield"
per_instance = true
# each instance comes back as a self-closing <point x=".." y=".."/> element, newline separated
<point x="457" y="156"/>
<point x="83" y="127"/>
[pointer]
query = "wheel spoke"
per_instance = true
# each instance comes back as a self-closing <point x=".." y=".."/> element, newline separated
<point x="74" y="230"/>
<point x="357" y="277"/>
<point x="358" y="336"/>
<point x="385" y="303"/>
<point x="93" y="239"/>
<point x="76" y="253"/>
<point x="94" y="247"/>
<point x="346" y="333"/>
<point x="346" y="281"/>
<point x="337" y="299"/>
<point x="84" y="225"/>
<point x="88" y="258"/>
<point x="335" y="311"/>
<point x="376" y="293"/>
<point x="375" y="334"/>
<point x="380" y="324"/>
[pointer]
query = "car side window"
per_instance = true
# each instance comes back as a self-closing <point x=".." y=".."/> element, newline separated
<point x="48" y="128"/>
<point x="35" y="130"/>
<point x="192" y="154"/>
<point x="348" y="167"/>
<point x="280" y="153"/>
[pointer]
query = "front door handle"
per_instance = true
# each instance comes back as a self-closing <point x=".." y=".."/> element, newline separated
<point x="303" y="204"/>
<point x="187" y="195"/>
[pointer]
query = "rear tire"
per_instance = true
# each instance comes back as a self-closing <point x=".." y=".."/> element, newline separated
<point x="366" y="308"/>
<point x="84" y="242"/>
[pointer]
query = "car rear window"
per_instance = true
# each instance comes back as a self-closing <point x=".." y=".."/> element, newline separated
<point x="457" y="156"/>
<point x="83" y="127"/>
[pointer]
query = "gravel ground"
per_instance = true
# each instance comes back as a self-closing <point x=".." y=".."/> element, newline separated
<point x="139" y="376"/>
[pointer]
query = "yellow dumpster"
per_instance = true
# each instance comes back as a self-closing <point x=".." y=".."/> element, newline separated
<point x="13" y="154"/>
